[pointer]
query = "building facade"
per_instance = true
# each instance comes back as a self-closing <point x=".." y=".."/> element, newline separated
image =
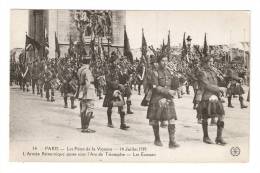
<point x="43" y="24"/>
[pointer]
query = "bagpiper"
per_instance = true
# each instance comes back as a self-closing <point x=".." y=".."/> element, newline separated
<point x="124" y="79"/>
<point x="161" y="106"/>
<point x="114" y="91"/>
<point x="234" y="87"/>
<point x="210" y="105"/>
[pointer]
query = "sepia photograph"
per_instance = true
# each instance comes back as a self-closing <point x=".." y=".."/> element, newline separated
<point x="129" y="86"/>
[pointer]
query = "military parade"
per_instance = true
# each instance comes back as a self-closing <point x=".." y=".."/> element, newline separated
<point x="205" y="75"/>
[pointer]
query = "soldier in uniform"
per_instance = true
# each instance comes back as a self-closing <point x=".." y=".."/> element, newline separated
<point x="234" y="87"/>
<point x="210" y="105"/>
<point x="161" y="106"/>
<point x="42" y="66"/>
<point x="25" y="76"/>
<point x="147" y="83"/>
<point x="140" y="70"/>
<point x="35" y="77"/>
<point x="48" y="77"/>
<point x="113" y="97"/>
<point x="69" y="81"/>
<point x="124" y="79"/>
<point x="86" y="95"/>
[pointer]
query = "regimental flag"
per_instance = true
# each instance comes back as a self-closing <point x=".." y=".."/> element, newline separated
<point x="144" y="45"/>
<point x="30" y="41"/>
<point x="127" y="50"/>
<point x="57" y="46"/>
<point x="184" y="47"/>
<point x="168" y="46"/>
<point x="205" y="48"/>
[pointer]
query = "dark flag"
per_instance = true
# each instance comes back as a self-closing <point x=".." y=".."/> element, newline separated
<point x="57" y="46"/>
<point x="168" y="46"/>
<point x="205" y="48"/>
<point x="184" y="47"/>
<point x="127" y="50"/>
<point x="144" y="44"/>
<point x="33" y="42"/>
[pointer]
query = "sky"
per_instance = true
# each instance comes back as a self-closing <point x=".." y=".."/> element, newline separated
<point x="222" y="27"/>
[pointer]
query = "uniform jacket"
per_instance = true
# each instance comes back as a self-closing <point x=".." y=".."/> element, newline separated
<point x="208" y="82"/>
<point x="86" y="83"/>
<point x="162" y="81"/>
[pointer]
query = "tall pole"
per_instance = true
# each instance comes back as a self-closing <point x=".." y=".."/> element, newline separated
<point x="25" y="48"/>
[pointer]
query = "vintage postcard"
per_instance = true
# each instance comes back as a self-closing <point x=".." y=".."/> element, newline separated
<point x="129" y="86"/>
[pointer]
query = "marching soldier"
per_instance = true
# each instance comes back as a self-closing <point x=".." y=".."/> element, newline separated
<point x="113" y="97"/>
<point x="140" y="70"/>
<point x="124" y="79"/>
<point x="161" y="106"/>
<point x="234" y="87"/>
<point x="25" y="76"/>
<point x="35" y="77"/>
<point x="42" y="67"/>
<point x="147" y="83"/>
<point x="48" y="77"/>
<point x="69" y="81"/>
<point x="86" y="95"/>
<point x="210" y="105"/>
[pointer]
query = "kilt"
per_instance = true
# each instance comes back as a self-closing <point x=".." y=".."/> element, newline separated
<point x="47" y="85"/>
<point x="155" y="112"/>
<point x="235" y="90"/>
<point x="40" y="82"/>
<point x="127" y="91"/>
<point x="210" y="109"/>
<point x="68" y="90"/>
<point x="108" y="100"/>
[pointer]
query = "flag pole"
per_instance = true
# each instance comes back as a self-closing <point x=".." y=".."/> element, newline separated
<point x="25" y="47"/>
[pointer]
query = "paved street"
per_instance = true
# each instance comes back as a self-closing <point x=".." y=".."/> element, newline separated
<point x="36" y="122"/>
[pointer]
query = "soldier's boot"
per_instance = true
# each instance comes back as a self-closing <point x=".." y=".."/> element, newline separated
<point x="157" y="140"/>
<point x="248" y="97"/>
<point x="72" y="106"/>
<point x="109" y="119"/>
<point x="206" y="138"/>
<point x="128" y="103"/>
<point x="123" y="125"/>
<point x="88" y="117"/>
<point x="65" y="102"/>
<point x="187" y="90"/>
<point x="229" y="102"/>
<point x="41" y="92"/>
<point x="172" y="141"/>
<point x="37" y="87"/>
<point x="83" y="126"/>
<point x="219" y="139"/>
<point x="33" y="89"/>
<point x="241" y="100"/>
<point x="47" y="96"/>
<point x="213" y="121"/>
<point x="52" y="96"/>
